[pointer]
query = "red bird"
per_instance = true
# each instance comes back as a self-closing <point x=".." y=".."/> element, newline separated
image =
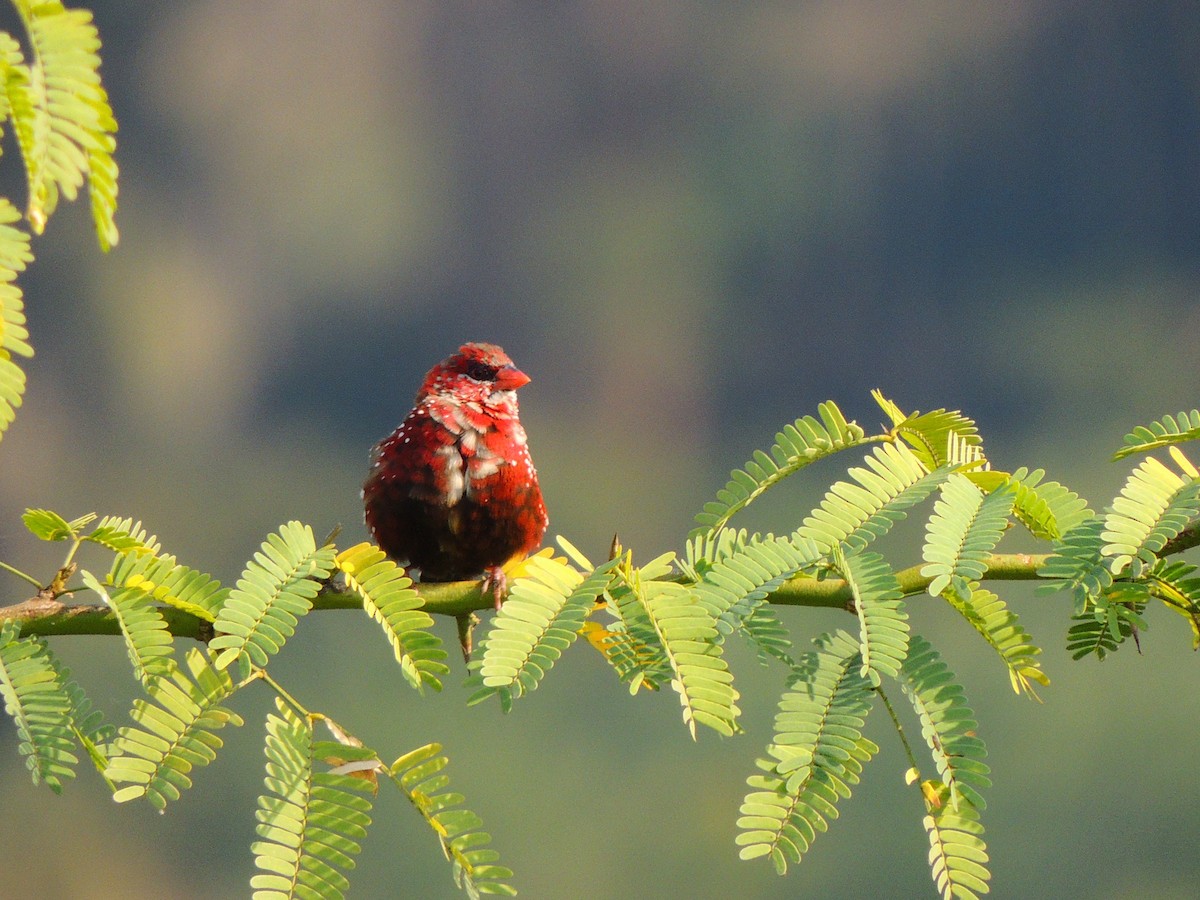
<point x="452" y="491"/>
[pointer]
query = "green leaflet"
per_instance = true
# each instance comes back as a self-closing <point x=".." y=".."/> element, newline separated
<point x="817" y="753"/>
<point x="936" y="437"/>
<point x="947" y="723"/>
<point x="64" y="124"/>
<point x="1155" y="505"/>
<point x="883" y="623"/>
<point x="122" y="536"/>
<point x="389" y="599"/>
<point x="14" y="337"/>
<point x="631" y="644"/>
<point x="162" y="580"/>
<point x="1047" y="509"/>
<point x="1111" y="618"/>
<point x="957" y="854"/>
<point x="689" y="639"/>
<point x="1078" y="565"/>
<point x="147" y="639"/>
<point x="854" y="514"/>
<point x="310" y="821"/>
<point x="965" y="527"/>
<point x="420" y="775"/>
<point x="1174" y="584"/>
<point x="803" y="442"/>
<point x="541" y="618"/>
<point x="36" y="699"/>
<point x="276" y="588"/>
<point x="736" y="584"/>
<point x="1000" y="627"/>
<point x="1166" y="431"/>
<point x="173" y="732"/>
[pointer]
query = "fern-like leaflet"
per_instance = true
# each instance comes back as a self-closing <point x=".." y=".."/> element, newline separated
<point x="1000" y="627"/>
<point x="1079" y="566"/>
<point x="163" y="580"/>
<point x="275" y="590"/>
<point x="541" y="618"/>
<point x="1166" y="431"/>
<point x="689" y="639"/>
<point x="947" y="723"/>
<point x="14" y="337"/>
<point x="1175" y="584"/>
<point x="803" y="442"/>
<point x="1111" y="618"/>
<point x="931" y="435"/>
<point x="883" y="623"/>
<point x="854" y="514"/>
<point x="122" y="536"/>
<point x="1046" y="508"/>
<point x="147" y="639"/>
<point x="817" y="753"/>
<point x="36" y="699"/>
<point x="310" y="821"/>
<point x="389" y="599"/>
<point x="64" y="123"/>
<point x="957" y="854"/>
<point x="420" y="775"/>
<point x="173" y="732"/>
<point x="965" y="527"/>
<point x="735" y="585"/>
<point x="1154" y="506"/>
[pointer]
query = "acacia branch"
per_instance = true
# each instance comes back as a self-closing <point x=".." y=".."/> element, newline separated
<point x="49" y="616"/>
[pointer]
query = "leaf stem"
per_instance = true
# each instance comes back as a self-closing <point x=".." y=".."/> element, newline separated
<point x="908" y="751"/>
<point x="15" y="571"/>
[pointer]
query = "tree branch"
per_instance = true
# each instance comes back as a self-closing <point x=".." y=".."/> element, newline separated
<point x="47" y="617"/>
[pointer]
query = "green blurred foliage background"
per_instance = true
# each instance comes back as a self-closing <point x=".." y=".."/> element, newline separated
<point x="690" y="223"/>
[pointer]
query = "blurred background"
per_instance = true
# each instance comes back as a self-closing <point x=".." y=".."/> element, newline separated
<point x="689" y="223"/>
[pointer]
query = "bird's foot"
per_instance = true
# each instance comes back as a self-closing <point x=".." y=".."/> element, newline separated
<point x="496" y="582"/>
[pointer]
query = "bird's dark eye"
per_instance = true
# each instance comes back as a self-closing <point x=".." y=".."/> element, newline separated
<point x="481" y="371"/>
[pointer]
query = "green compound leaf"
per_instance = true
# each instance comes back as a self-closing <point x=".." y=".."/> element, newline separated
<point x="818" y="752"/>
<point x="796" y="446"/>
<point x="630" y="644"/>
<point x="147" y="640"/>
<point x="1111" y="618"/>
<point x="947" y="723"/>
<point x="736" y="584"/>
<point x="388" y="598"/>
<point x="1000" y="627"/>
<point x="275" y="590"/>
<point x="854" y="514"/>
<point x="690" y="640"/>
<point x="932" y="435"/>
<point x="14" y="336"/>
<point x="421" y="776"/>
<point x="542" y="617"/>
<point x="310" y="821"/>
<point x="1163" y="433"/>
<point x="1154" y="506"/>
<point x="37" y="700"/>
<point x="965" y="527"/>
<point x="957" y="854"/>
<point x="123" y="536"/>
<point x="162" y="580"/>
<point x="1078" y="565"/>
<point x="173" y="732"/>
<point x="883" y="623"/>
<point x="1047" y="509"/>
<point x="61" y="113"/>
<point x="48" y="526"/>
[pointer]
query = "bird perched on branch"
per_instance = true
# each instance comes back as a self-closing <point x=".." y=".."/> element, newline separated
<point x="452" y="491"/>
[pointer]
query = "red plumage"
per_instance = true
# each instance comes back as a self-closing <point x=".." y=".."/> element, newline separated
<point x="452" y="491"/>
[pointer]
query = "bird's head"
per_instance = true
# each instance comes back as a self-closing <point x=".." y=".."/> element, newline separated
<point x="482" y="373"/>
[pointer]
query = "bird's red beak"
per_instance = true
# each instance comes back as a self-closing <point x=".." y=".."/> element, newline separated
<point x="509" y="378"/>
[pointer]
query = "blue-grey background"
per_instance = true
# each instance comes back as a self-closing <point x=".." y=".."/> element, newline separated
<point x="689" y="223"/>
